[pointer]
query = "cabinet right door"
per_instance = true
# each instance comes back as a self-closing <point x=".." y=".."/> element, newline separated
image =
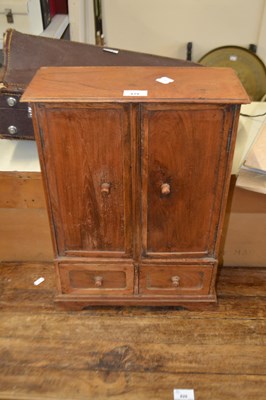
<point x="184" y="160"/>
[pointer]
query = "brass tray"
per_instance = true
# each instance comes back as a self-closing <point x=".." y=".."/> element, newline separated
<point x="249" y="67"/>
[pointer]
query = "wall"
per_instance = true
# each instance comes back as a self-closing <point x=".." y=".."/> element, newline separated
<point x="164" y="27"/>
<point x="81" y="19"/>
<point x="244" y="232"/>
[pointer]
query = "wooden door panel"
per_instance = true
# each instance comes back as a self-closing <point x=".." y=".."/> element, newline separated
<point x="87" y="161"/>
<point x="182" y="178"/>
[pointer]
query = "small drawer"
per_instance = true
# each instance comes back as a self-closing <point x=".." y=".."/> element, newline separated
<point x="176" y="279"/>
<point x="96" y="279"/>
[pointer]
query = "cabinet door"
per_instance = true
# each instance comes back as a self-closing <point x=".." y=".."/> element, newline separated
<point x="86" y="163"/>
<point x="183" y="164"/>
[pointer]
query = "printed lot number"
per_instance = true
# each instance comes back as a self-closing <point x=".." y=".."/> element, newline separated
<point x="184" y="394"/>
<point x="135" y="93"/>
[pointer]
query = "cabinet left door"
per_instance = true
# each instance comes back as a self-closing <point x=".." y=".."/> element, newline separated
<point x="86" y="158"/>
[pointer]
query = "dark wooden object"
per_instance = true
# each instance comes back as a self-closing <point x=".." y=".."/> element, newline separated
<point x="136" y="186"/>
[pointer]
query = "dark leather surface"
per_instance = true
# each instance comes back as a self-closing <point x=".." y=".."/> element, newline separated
<point x="24" y="54"/>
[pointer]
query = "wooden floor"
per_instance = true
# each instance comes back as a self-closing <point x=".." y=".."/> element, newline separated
<point x="131" y="353"/>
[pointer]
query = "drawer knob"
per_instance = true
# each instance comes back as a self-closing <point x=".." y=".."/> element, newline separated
<point x="98" y="280"/>
<point x="12" y="129"/>
<point x="105" y="188"/>
<point x="11" y="101"/>
<point x="175" y="281"/>
<point x="165" y="189"/>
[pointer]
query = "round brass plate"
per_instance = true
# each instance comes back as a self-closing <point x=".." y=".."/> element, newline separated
<point x="248" y="66"/>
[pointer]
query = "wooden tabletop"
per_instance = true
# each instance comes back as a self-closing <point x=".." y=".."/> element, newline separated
<point x="136" y="84"/>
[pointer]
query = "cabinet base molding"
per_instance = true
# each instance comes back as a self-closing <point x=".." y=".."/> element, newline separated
<point x="72" y="303"/>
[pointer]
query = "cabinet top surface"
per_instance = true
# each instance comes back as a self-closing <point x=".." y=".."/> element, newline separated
<point x="136" y="84"/>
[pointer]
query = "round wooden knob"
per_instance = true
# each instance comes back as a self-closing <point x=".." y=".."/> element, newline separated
<point x="175" y="281"/>
<point x="105" y="188"/>
<point x="98" y="280"/>
<point x="165" y="189"/>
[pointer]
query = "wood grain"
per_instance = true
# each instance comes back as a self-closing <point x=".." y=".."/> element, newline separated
<point x="93" y="149"/>
<point x="191" y="279"/>
<point x="25" y="235"/>
<point x="136" y="178"/>
<point x="184" y="146"/>
<point x="242" y="293"/>
<point x="107" y="84"/>
<point x="129" y="352"/>
<point x="23" y="218"/>
<point x="21" y="190"/>
<point x="80" y="385"/>
<point x="81" y="279"/>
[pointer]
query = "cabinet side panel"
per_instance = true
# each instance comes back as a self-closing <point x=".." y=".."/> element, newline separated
<point x="183" y="178"/>
<point x="87" y="156"/>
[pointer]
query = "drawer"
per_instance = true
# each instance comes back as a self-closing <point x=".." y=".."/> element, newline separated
<point x="80" y="278"/>
<point x="176" y="279"/>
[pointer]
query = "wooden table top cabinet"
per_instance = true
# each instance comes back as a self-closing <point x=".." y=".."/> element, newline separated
<point x="136" y="171"/>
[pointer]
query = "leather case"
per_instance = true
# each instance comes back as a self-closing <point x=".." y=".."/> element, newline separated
<point x="24" y="54"/>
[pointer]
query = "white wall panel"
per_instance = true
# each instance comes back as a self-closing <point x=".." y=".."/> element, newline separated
<point x="165" y="26"/>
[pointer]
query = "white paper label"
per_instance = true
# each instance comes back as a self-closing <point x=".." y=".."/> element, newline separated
<point x="38" y="281"/>
<point x="165" y="80"/>
<point x="135" y="93"/>
<point x="114" y="51"/>
<point x="233" y="58"/>
<point x="184" y="394"/>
